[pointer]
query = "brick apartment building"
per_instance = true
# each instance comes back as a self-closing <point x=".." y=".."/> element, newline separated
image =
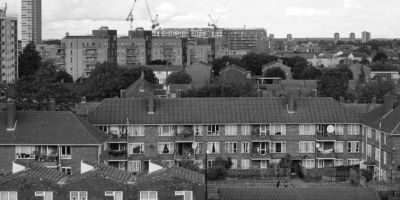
<point x="255" y="132"/>
<point x="53" y="139"/>
<point x="9" y="47"/>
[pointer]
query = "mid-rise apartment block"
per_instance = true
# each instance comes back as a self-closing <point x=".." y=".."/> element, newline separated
<point x="352" y="37"/>
<point x="243" y="39"/>
<point x="111" y="35"/>
<point x="9" y="47"/>
<point x="83" y="53"/>
<point x="52" y="53"/>
<point x="189" y="33"/>
<point x="131" y="51"/>
<point x="365" y="36"/>
<point x="167" y="49"/>
<point x="31" y="21"/>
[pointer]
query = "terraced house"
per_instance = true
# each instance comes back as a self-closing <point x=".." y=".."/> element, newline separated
<point x="255" y="132"/>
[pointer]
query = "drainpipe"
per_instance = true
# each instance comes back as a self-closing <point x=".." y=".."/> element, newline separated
<point x="380" y="150"/>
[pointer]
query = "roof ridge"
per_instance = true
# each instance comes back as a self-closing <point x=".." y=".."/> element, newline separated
<point x="85" y="128"/>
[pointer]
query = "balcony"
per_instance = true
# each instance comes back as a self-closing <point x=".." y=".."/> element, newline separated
<point x="185" y="135"/>
<point x="47" y="160"/>
<point x="121" y="138"/>
<point x="90" y="61"/>
<point x="90" y="53"/>
<point x="325" y="154"/>
<point x="260" y="154"/>
<point x="321" y="135"/>
<point x="117" y="154"/>
<point x="256" y="135"/>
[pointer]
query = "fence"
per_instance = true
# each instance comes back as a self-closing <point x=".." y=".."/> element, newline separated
<point x="270" y="173"/>
<point x="389" y="195"/>
<point x="332" y="174"/>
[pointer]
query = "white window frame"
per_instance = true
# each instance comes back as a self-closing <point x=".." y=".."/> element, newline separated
<point x="384" y="157"/>
<point x="308" y="163"/>
<point x="362" y="147"/>
<point x="369" y="150"/>
<point x="275" y="128"/>
<point x="234" y="163"/>
<point x="384" y="138"/>
<point x="230" y="130"/>
<point x="199" y="148"/>
<point x="245" y="164"/>
<point x="338" y="146"/>
<point x="65" y="170"/>
<point x="198" y="130"/>
<point x="8" y="195"/>
<point x="231" y="147"/>
<point x="217" y="147"/>
<point x="377" y="136"/>
<point x="117" y="195"/>
<point x="369" y="134"/>
<point x="169" y="132"/>
<point x="81" y="194"/>
<point x="65" y="155"/>
<point x="245" y="147"/>
<point x="47" y="195"/>
<point x="136" y="131"/>
<point x="170" y="146"/>
<point x="377" y="154"/>
<point x="263" y="164"/>
<point x="246" y="129"/>
<point x="187" y="195"/>
<point x="339" y="129"/>
<point x="148" y="195"/>
<point x="353" y="161"/>
<point x="306" y="146"/>
<point x="264" y="129"/>
<point x="338" y="162"/>
<point x="353" y="129"/>
<point x="307" y="129"/>
<point x="213" y="130"/>
<point x="353" y="149"/>
<point x="134" y="166"/>
<point x="31" y="154"/>
<point x="131" y="146"/>
<point x="283" y="146"/>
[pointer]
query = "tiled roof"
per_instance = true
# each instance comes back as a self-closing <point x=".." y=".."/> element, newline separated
<point x="361" y="107"/>
<point x="182" y="87"/>
<point x="38" y="171"/>
<point x="82" y="109"/>
<point x="133" y="91"/>
<point x="234" y="67"/>
<point x="50" y="128"/>
<point x="297" y="194"/>
<point x="222" y="110"/>
<point x="275" y="64"/>
<point x="389" y="122"/>
<point x="164" y="68"/>
<point x="109" y="172"/>
<point x="174" y="172"/>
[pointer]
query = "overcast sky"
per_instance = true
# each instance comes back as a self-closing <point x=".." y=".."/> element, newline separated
<point x="302" y="18"/>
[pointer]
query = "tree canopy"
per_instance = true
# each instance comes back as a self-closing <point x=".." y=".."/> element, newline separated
<point x="333" y="83"/>
<point x="180" y="77"/>
<point x="220" y="63"/>
<point x="29" y="61"/>
<point x="297" y="65"/>
<point x="375" y="88"/>
<point x="254" y="62"/>
<point x="382" y="66"/>
<point x="275" y="72"/>
<point x="379" y="56"/>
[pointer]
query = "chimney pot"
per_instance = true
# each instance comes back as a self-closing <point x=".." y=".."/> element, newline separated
<point x="341" y="99"/>
<point x="373" y="100"/>
<point x="83" y="99"/>
<point x="52" y="105"/>
<point x="123" y="94"/>
<point x="150" y="105"/>
<point x="11" y="115"/>
<point x="290" y="102"/>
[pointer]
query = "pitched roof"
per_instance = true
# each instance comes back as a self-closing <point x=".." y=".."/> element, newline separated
<point x="389" y="122"/>
<point x="169" y="68"/>
<point x="275" y="64"/>
<point x="182" y="87"/>
<point x="174" y="172"/>
<point x="50" y="127"/>
<point x="134" y="90"/>
<point x="83" y="109"/>
<point x="297" y="193"/>
<point x="38" y="171"/>
<point x="233" y="67"/>
<point x="222" y="111"/>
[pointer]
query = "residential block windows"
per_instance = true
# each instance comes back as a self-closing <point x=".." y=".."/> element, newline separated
<point x="384" y="138"/>
<point x="234" y="163"/>
<point x="353" y="129"/>
<point x="369" y="150"/>
<point x="199" y="148"/>
<point x="245" y="148"/>
<point x="148" y="195"/>
<point x="230" y="147"/>
<point x="230" y="130"/>
<point x="187" y="195"/>
<point x="377" y="154"/>
<point x="264" y="130"/>
<point x="353" y="147"/>
<point x="339" y="129"/>
<point x="306" y="146"/>
<point x="353" y="162"/>
<point x="8" y="195"/>
<point x="278" y="147"/>
<point x="338" y="146"/>
<point x="135" y="131"/>
<point x="135" y="148"/>
<point x="65" y="152"/>
<point x="384" y="157"/>
<point x="166" y="148"/>
<point x="66" y="170"/>
<point x="369" y="135"/>
<point x="213" y="147"/>
<point x="47" y="195"/>
<point x="198" y="130"/>
<point x="308" y="163"/>
<point x="338" y="162"/>
<point x="117" y="195"/>
<point x="378" y="136"/>
<point x="307" y="129"/>
<point x="245" y="129"/>
<point x="245" y="164"/>
<point x="134" y="166"/>
<point x="168" y="130"/>
<point x="277" y="129"/>
<point x="78" y="195"/>
<point x="25" y="152"/>
<point x="213" y="130"/>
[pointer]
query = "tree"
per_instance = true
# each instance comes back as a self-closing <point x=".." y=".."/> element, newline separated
<point x="62" y="75"/>
<point x="275" y="72"/>
<point x="364" y="61"/>
<point x="180" y="77"/>
<point x="380" y="56"/>
<point x="375" y="88"/>
<point x="361" y="76"/>
<point x="297" y="64"/>
<point x="220" y="63"/>
<point x="254" y="62"/>
<point x="310" y="73"/>
<point x="29" y="61"/>
<point x="132" y="74"/>
<point x="381" y="66"/>
<point x="333" y="83"/>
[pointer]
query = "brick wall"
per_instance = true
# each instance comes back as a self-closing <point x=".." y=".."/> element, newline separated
<point x="79" y="153"/>
<point x="7" y="156"/>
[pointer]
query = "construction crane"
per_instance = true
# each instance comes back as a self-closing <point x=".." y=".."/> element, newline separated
<point x="213" y="22"/>
<point x="130" y="16"/>
<point x="154" y="22"/>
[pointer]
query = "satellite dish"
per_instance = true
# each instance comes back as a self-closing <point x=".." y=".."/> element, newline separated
<point x="194" y="145"/>
<point x="330" y="129"/>
<point x="317" y="145"/>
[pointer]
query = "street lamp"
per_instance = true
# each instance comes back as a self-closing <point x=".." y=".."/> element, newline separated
<point x="206" y="162"/>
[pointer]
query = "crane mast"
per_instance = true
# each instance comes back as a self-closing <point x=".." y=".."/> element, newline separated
<point x="154" y="22"/>
<point x="130" y="16"/>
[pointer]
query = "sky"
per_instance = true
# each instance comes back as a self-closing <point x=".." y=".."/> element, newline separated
<point x="301" y="18"/>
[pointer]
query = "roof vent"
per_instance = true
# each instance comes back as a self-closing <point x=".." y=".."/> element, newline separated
<point x="290" y="102"/>
<point x="150" y="105"/>
<point x="11" y="115"/>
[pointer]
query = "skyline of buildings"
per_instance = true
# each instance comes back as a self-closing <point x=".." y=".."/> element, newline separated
<point x="9" y="47"/>
<point x="31" y="22"/>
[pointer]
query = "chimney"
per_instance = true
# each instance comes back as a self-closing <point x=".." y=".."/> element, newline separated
<point x="290" y="102"/>
<point x="387" y="103"/>
<point x="52" y="105"/>
<point x="11" y="115"/>
<point x="178" y="93"/>
<point x="341" y="99"/>
<point x="83" y="99"/>
<point x="373" y="100"/>
<point x="67" y="34"/>
<point x="227" y="64"/>
<point x="150" y="105"/>
<point x="122" y="94"/>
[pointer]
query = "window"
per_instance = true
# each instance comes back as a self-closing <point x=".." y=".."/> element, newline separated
<point x="199" y="148"/>
<point x="213" y="130"/>
<point x="306" y="146"/>
<point x="353" y="147"/>
<point x="66" y="170"/>
<point x="378" y="136"/>
<point x="167" y="130"/>
<point x="65" y="152"/>
<point x="135" y="131"/>
<point x="117" y="195"/>
<point x="339" y="129"/>
<point x="148" y="195"/>
<point x="231" y="130"/>
<point x="166" y="148"/>
<point x="278" y="147"/>
<point x="245" y="148"/>
<point x="277" y="129"/>
<point x="338" y="162"/>
<point x="353" y="162"/>
<point x="199" y="163"/>
<point x="308" y="163"/>
<point x="338" y="146"/>
<point x="78" y="195"/>
<point x="264" y="130"/>
<point x="245" y="164"/>
<point x="187" y="195"/>
<point x="135" y="148"/>
<point x="384" y="138"/>
<point x="8" y="195"/>
<point x="230" y="147"/>
<point x="377" y="154"/>
<point x="198" y="130"/>
<point x="134" y="165"/>
<point x="168" y="163"/>
<point x="307" y="129"/>
<point x="369" y="150"/>
<point x="213" y="147"/>
<point x="245" y="129"/>
<point x="25" y="152"/>
<point x="47" y="195"/>
<point x="354" y="129"/>
<point x="234" y="164"/>
<point x="362" y="147"/>
<point x="384" y="158"/>
<point x="369" y="135"/>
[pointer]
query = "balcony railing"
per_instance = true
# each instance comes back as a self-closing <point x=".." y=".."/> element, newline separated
<point x="185" y="135"/>
<point x="90" y="53"/>
<point x="321" y="135"/>
<point x="255" y="153"/>
<point x="189" y="155"/>
<point x="91" y="61"/>
<point x="326" y="154"/>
